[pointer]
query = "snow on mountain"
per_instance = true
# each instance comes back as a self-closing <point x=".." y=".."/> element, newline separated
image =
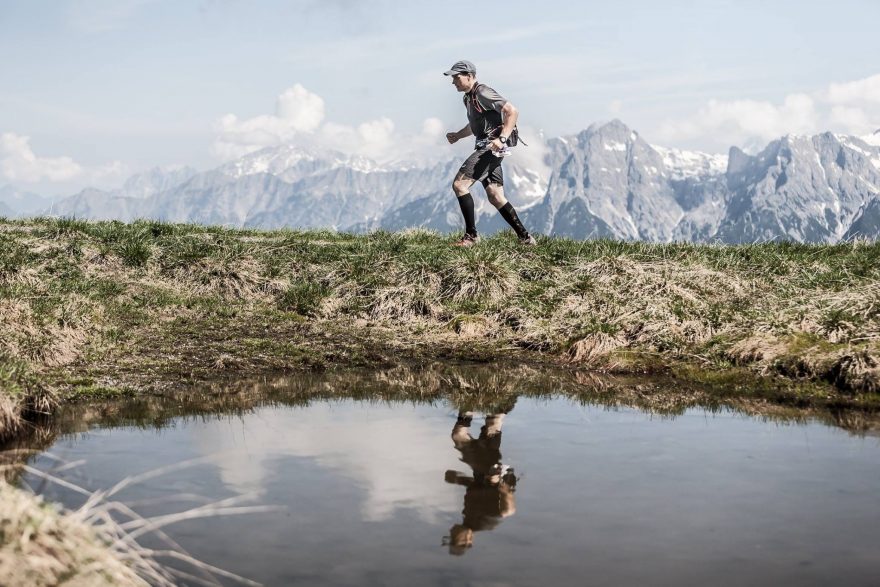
<point x="873" y="143"/>
<point x="683" y="164"/>
<point x="807" y="189"/>
<point x="530" y="185"/>
<point x="606" y="181"/>
<point x="292" y="162"/>
<point x="872" y="139"/>
<point x="273" y="160"/>
<point x="154" y="181"/>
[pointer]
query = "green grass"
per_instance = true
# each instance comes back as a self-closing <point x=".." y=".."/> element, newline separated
<point x="303" y="297"/>
<point x="75" y="293"/>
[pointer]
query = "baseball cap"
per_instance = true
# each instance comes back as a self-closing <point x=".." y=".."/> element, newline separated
<point x="461" y="67"/>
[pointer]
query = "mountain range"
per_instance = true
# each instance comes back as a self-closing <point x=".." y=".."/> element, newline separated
<point x="605" y="181"/>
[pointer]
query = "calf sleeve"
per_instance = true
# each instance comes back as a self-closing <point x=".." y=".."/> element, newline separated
<point x="512" y="219"/>
<point x="466" y="202"/>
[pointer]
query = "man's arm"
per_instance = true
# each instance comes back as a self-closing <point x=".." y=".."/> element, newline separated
<point x="454" y="137"/>
<point x="509" y="115"/>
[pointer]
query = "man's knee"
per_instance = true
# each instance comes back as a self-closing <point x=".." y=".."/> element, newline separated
<point x="461" y="185"/>
<point x="495" y="192"/>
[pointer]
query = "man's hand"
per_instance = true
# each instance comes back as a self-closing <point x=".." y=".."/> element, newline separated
<point x="452" y="137"/>
<point x="496" y="145"/>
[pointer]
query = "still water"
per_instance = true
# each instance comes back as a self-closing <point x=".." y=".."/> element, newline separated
<point x="542" y="491"/>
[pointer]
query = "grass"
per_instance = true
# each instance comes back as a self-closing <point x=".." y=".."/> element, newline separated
<point x="148" y="305"/>
<point x="98" y="542"/>
<point x="42" y="546"/>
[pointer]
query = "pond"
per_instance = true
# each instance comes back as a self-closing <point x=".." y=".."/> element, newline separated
<point x="527" y="488"/>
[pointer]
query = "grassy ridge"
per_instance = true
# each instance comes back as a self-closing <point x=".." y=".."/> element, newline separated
<point x="103" y="307"/>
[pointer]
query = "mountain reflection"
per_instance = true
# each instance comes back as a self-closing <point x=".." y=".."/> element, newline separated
<point x="489" y="490"/>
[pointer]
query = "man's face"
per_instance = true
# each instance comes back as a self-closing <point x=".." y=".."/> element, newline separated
<point x="463" y="82"/>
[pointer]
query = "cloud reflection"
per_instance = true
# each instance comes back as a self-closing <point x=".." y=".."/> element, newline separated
<point x="397" y="454"/>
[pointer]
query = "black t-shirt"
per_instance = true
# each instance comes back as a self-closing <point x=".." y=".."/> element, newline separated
<point x="483" y="110"/>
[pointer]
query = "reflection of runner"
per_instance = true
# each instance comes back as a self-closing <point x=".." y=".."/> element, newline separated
<point x="489" y="495"/>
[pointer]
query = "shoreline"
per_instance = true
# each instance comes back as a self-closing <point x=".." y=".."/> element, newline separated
<point x="102" y="309"/>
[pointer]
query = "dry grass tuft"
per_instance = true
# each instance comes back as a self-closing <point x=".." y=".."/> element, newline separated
<point x="593" y="350"/>
<point x="10" y="413"/>
<point x="857" y="372"/>
<point x="97" y="544"/>
<point x="42" y="547"/>
<point x="410" y="302"/>
<point x="762" y="347"/>
<point x="231" y="279"/>
<point x="487" y="278"/>
<point x="472" y="326"/>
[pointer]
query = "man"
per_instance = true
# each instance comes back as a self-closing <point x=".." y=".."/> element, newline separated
<point x="492" y="121"/>
<point x="489" y="492"/>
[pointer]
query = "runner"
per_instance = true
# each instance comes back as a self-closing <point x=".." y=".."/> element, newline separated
<point x="489" y="490"/>
<point x="492" y="122"/>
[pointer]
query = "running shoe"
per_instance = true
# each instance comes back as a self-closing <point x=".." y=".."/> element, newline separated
<point x="467" y="241"/>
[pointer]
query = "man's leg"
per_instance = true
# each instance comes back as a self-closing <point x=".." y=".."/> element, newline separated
<point x="461" y="186"/>
<point x="461" y="434"/>
<point x="492" y="427"/>
<point x="495" y="191"/>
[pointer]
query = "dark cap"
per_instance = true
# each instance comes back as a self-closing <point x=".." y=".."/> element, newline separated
<point x="461" y="67"/>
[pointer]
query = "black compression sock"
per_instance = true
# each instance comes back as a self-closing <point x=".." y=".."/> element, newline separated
<point x="467" y="210"/>
<point x="512" y="219"/>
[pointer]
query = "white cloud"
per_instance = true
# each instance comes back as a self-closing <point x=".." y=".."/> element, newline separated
<point x="863" y="90"/>
<point x="856" y="105"/>
<point x="18" y="162"/>
<point x="851" y="120"/>
<point x="297" y="112"/>
<point x="392" y="475"/>
<point x="301" y="109"/>
<point x="433" y="127"/>
<point x="111" y="172"/>
<point x="376" y="137"/>
<point x="299" y="119"/>
<point x="851" y="107"/>
<point x="744" y="121"/>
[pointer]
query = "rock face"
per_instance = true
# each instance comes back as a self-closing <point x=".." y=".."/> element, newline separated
<point x="806" y="189"/>
<point x="289" y="186"/>
<point x="867" y="222"/>
<point x="154" y="181"/>
<point x="606" y="181"/>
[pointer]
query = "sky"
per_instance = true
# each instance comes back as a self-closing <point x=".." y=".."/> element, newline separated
<point x="95" y="90"/>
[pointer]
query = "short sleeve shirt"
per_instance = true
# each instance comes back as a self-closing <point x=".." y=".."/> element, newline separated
<point x="483" y="110"/>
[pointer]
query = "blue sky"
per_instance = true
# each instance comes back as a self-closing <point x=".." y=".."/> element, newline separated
<point x="96" y="89"/>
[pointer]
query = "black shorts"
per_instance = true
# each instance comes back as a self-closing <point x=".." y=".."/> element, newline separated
<point x="484" y="167"/>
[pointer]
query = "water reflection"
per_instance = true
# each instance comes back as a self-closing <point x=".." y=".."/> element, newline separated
<point x="391" y="455"/>
<point x="695" y="496"/>
<point x="489" y="490"/>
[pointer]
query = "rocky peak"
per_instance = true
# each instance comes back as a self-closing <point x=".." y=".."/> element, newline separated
<point x="155" y="180"/>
